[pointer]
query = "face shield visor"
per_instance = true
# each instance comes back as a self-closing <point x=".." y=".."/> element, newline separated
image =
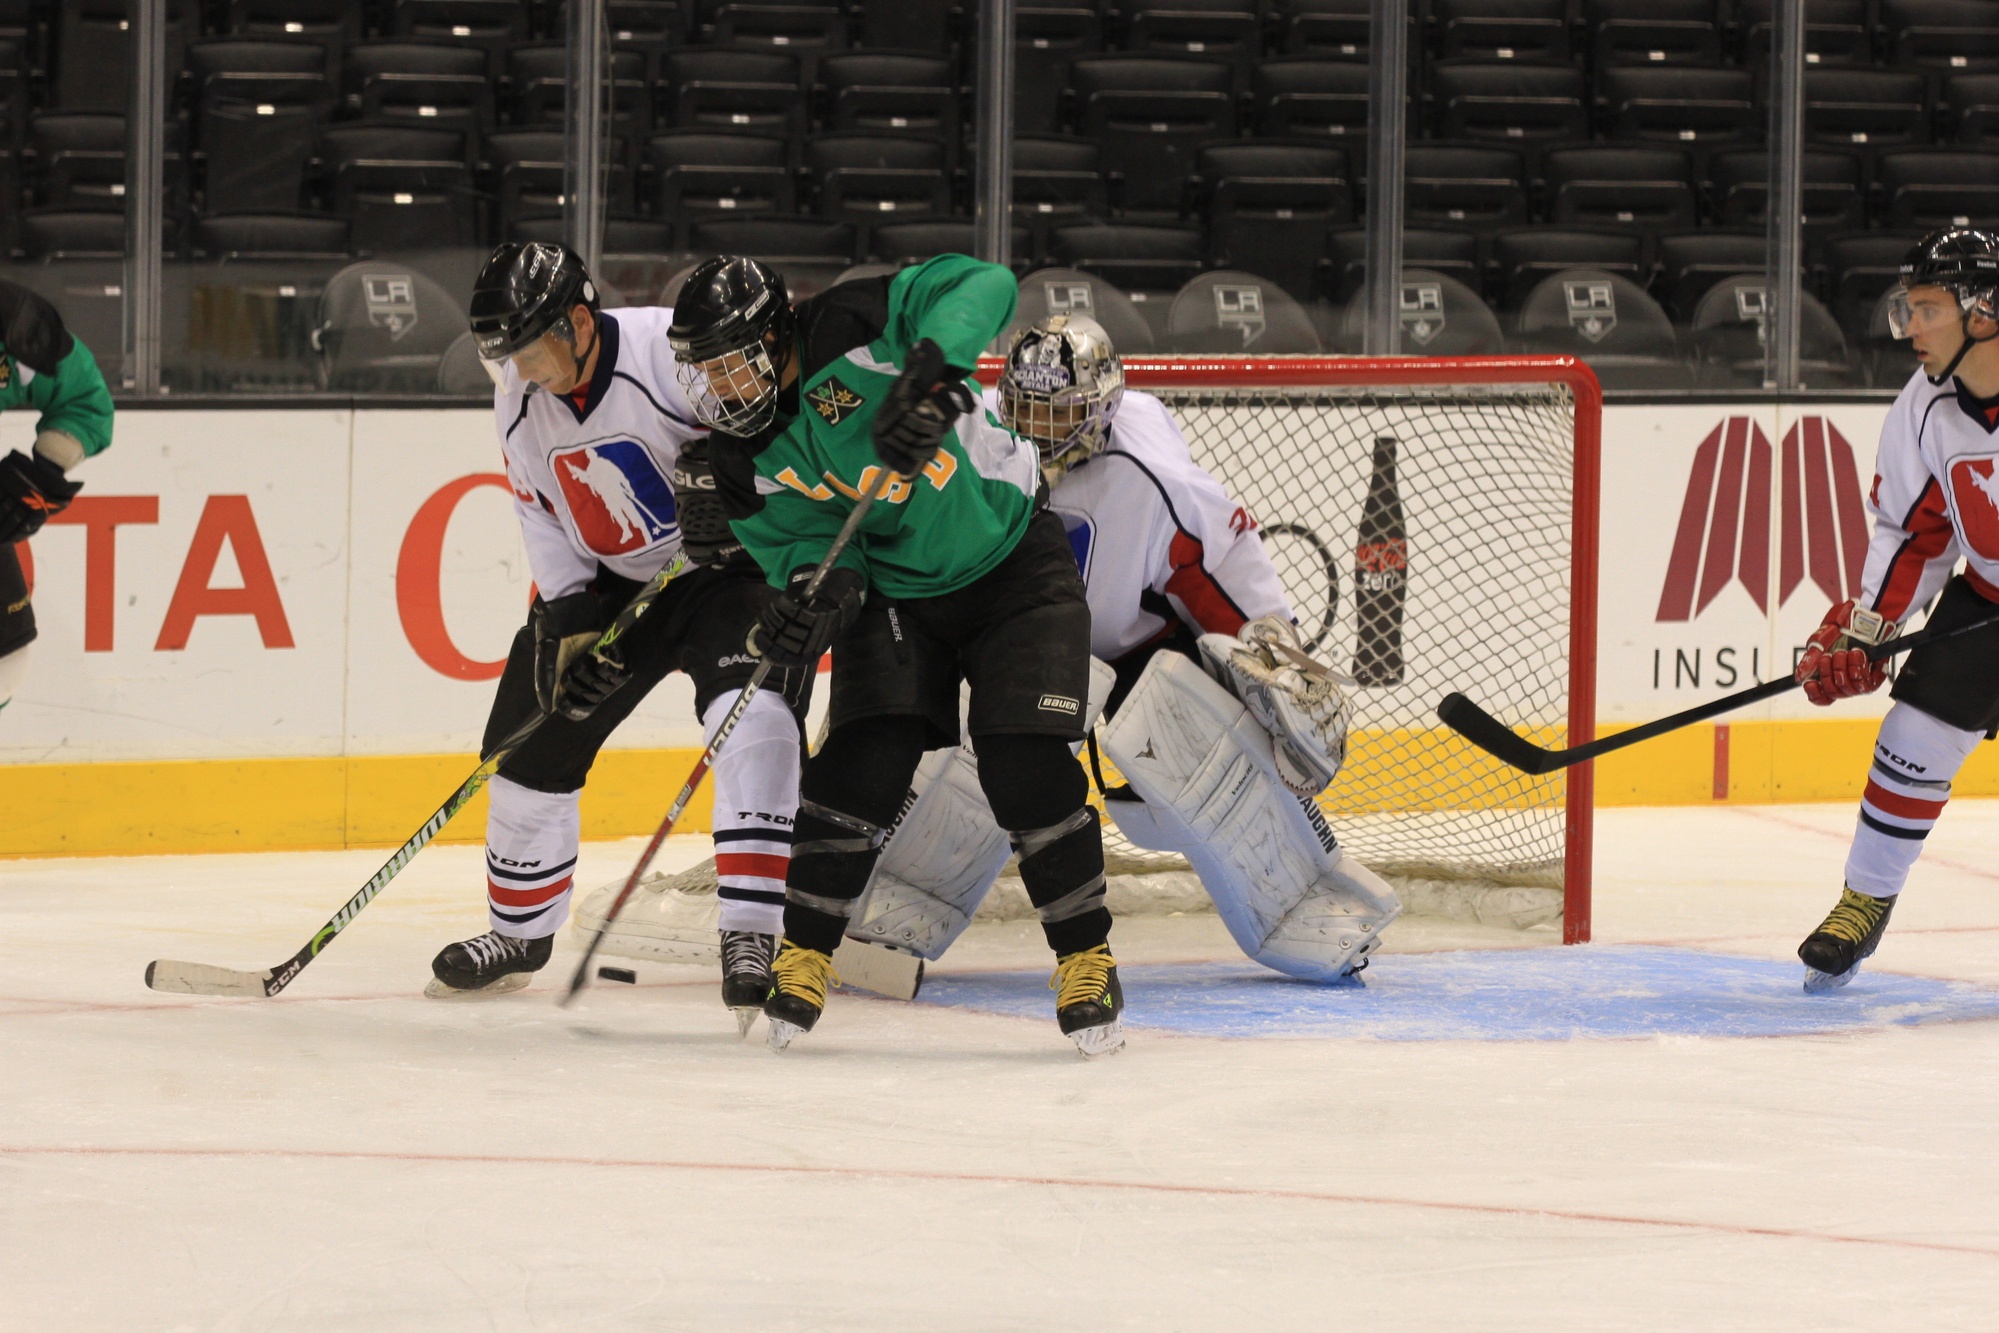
<point x="1930" y="308"/>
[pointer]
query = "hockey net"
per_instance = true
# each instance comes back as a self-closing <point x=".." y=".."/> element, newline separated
<point x="1496" y="475"/>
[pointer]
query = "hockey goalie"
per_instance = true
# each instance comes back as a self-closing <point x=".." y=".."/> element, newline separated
<point x="1222" y="726"/>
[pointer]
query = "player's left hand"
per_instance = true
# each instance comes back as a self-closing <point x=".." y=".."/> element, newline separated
<point x="921" y="405"/>
<point x="1835" y="665"/>
<point x="568" y="677"/>
<point x="31" y="490"/>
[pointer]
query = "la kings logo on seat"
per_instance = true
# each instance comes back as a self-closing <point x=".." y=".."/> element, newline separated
<point x="391" y="299"/>
<point x="1422" y="311"/>
<point x="1241" y="308"/>
<point x="1069" y="298"/>
<point x="1592" y="308"/>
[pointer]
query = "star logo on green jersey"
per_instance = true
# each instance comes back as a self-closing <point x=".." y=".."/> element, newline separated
<point x="833" y="400"/>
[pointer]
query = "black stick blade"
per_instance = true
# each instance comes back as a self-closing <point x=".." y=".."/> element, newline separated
<point x="1488" y="733"/>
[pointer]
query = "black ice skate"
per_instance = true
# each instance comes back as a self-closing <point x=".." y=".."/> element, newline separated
<point x="799" y="977"/>
<point x="1833" y="953"/>
<point x="746" y="958"/>
<point x="1089" y="1001"/>
<point x="492" y="964"/>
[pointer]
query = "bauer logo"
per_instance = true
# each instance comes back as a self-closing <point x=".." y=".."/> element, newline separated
<point x="1974" y="483"/>
<point x="1059" y="703"/>
<point x="1728" y="519"/>
<point x="618" y="498"/>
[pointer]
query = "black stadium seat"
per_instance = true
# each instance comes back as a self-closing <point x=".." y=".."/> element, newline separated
<point x="1528" y="30"/>
<point x="1310" y="96"/>
<point x="1155" y="260"/>
<point x="526" y="169"/>
<point x="1475" y="186"/>
<point x="1048" y="37"/>
<point x="269" y="236"/>
<point x="1057" y="179"/>
<point x="913" y="25"/>
<point x="1454" y="254"/>
<point x="1859" y="267"/>
<point x="1837" y="32"/>
<point x="1608" y="321"/>
<point x="1440" y="317"/>
<point x="749" y="92"/>
<point x="1150" y="114"/>
<point x="1230" y="312"/>
<point x="402" y="189"/>
<point x="384" y="327"/>
<point x="696" y="174"/>
<point x="1511" y="102"/>
<point x="1329" y="29"/>
<point x="1971" y="110"/>
<point x="1691" y="262"/>
<point x="1728" y="336"/>
<point x="1229" y="30"/>
<point x="890" y="92"/>
<point x="79" y="161"/>
<point x="424" y="83"/>
<point x="1522" y="259"/>
<point x="1923" y="188"/>
<point x="1693" y="107"/>
<point x="93" y="52"/>
<point x="911" y="242"/>
<point x="1652" y="32"/>
<point x="330" y="25"/>
<point x="1739" y="182"/>
<point x="1269" y="206"/>
<point x="56" y="234"/>
<point x="870" y="178"/>
<point x="809" y="252"/>
<point x="491" y="26"/>
<point x="1866" y="107"/>
<point x="1641" y="186"/>
<point x="257" y="110"/>
<point x="1941" y="35"/>
<point x="1066" y="291"/>
<point x="648" y="28"/>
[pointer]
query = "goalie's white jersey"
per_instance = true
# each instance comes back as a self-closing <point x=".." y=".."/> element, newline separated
<point x="593" y="482"/>
<point x="1156" y="536"/>
<point x="1935" y="498"/>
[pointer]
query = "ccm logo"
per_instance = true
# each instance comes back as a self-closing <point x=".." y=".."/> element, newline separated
<point x="1056" y="703"/>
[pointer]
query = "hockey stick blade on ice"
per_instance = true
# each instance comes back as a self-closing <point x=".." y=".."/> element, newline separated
<point x="180" y="978"/>
<point x="707" y="759"/>
<point x="1488" y="733"/>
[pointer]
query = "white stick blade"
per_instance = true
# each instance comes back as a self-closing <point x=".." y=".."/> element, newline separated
<point x="877" y="968"/>
<point x="180" y="978"/>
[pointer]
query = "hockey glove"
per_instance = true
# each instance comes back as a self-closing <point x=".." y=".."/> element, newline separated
<point x="568" y="677"/>
<point x="1834" y="665"/>
<point x="921" y="405"/>
<point x="31" y="489"/>
<point x="794" y="633"/>
<point x="704" y="522"/>
<point x="1304" y="705"/>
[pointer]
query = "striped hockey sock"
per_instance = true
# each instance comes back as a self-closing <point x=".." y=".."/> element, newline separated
<point x="1915" y="758"/>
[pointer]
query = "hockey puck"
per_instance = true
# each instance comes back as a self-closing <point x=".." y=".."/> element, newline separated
<point x="624" y="974"/>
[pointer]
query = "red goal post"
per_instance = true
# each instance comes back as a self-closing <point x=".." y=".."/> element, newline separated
<point x="1497" y="464"/>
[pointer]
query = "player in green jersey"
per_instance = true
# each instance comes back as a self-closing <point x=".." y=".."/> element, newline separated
<point x="958" y="572"/>
<point x="43" y="367"/>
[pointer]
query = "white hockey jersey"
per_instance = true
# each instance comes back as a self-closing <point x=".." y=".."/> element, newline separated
<point x="1935" y="498"/>
<point x="594" y="482"/>
<point x="1156" y="536"/>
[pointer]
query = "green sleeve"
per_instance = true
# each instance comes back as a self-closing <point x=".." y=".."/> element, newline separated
<point x="75" y="401"/>
<point x="957" y="302"/>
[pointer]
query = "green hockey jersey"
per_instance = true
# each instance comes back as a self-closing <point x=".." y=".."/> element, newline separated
<point x="793" y="487"/>
<point x="73" y="401"/>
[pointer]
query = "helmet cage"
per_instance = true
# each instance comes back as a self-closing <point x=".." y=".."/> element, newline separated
<point x="747" y="380"/>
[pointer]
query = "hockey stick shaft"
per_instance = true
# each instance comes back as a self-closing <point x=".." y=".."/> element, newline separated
<point x="714" y="746"/>
<point x="203" y="979"/>
<point x="1496" y="738"/>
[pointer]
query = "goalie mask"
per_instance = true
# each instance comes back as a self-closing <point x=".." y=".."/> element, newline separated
<point x="1964" y="262"/>
<point x="731" y="334"/>
<point x="1060" y="388"/>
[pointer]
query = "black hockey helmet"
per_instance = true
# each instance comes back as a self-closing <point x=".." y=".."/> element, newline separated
<point x="731" y="334"/>
<point x="527" y="289"/>
<point x="31" y="329"/>
<point x="1964" y="261"/>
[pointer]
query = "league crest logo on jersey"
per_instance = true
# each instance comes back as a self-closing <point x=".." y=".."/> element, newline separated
<point x="833" y="401"/>
<point x="1974" y="483"/>
<point x="618" y="498"/>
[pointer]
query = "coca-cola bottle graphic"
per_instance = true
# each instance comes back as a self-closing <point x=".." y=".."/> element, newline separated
<point x="1381" y="574"/>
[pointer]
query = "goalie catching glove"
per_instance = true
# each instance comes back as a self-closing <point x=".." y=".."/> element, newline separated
<point x="921" y="405"/>
<point x="1835" y="664"/>
<point x="1304" y="705"/>
<point x="795" y="630"/>
<point x="568" y="677"/>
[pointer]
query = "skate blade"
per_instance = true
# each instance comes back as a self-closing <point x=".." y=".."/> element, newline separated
<point x="745" y="1016"/>
<point x="513" y="981"/>
<point x="779" y="1033"/>
<point x="1099" y="1041"/>
<point x="1818" y="983"/>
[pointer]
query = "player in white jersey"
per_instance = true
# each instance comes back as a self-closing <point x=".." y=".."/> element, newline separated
<point x="1935" y="501"/>
<point x="1222" y="725"/>
<point x="607" y="467"/>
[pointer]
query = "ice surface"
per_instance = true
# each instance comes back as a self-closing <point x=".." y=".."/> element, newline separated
<point x="353" y="1156"/>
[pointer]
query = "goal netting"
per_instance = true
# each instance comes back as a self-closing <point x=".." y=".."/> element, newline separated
<point x="1489" y="530"/>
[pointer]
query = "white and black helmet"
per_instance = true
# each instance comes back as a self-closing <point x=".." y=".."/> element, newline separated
<point x="1060" y="388"/>
<point x="1964" y="261"/>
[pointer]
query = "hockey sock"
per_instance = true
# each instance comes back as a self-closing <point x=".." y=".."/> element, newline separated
<point x="756" y="801"/>
<point x="531" y="840"/>
<point x="1037" y="790"/>
<point x="850" y="794"/>
<point x="1915" y="758"/>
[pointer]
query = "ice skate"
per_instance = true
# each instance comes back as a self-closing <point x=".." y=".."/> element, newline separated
<point x="669" y="918"/>
<point x="799" y="978"/>
<point x="1833" y="953"/>
<point x="746" y="981"/>
<point x="1089" y="1002"/>
<point x="491" y="964"/>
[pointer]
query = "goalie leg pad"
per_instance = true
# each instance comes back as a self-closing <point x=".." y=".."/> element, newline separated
<point x="1267" y="858"/>
<point x="939" y="863"/>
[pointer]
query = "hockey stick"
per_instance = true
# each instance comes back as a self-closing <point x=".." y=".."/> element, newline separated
<point x="1488" y="733"/>
<point x="707" y="759"/>
<point x="167" y="974"/>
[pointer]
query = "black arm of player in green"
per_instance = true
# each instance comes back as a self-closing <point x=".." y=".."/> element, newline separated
<point x="957" y="302"/>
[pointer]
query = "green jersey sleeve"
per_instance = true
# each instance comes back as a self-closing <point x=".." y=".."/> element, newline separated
<point x="955" y="301"/>
<point x="74" y="400"/>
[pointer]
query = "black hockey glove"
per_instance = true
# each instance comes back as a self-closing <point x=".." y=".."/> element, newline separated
<point x="921" y="405"/>
<point x="792" y="633"/>
<point x="704" y="520"/>
<point x="568" y="677"/>
<point x="31" y="489"/>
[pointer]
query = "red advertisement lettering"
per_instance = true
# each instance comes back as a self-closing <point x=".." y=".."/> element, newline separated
<point x="100" y="517"/>
<point x="225" y="518"/>
<point x="419" y="572"/>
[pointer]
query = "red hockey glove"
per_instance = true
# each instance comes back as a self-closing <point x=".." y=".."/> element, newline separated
<point x="1835" y="665"/>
